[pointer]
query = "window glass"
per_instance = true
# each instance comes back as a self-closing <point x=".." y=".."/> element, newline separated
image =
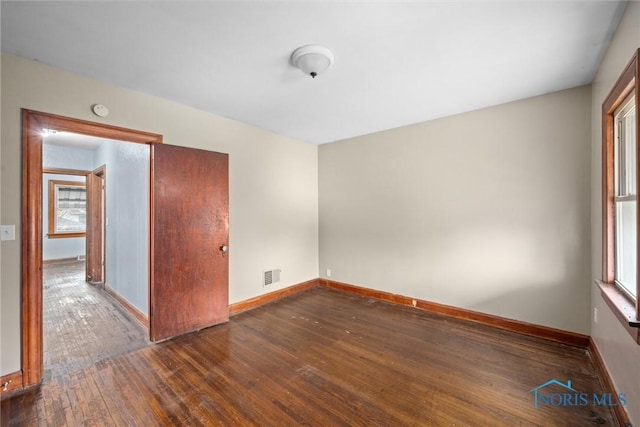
<point x="626" y="245"/>
<point x="70" y="208"/>
<point x="625" y="197"/>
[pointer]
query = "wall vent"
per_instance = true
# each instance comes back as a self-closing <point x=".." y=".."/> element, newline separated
<point x="271" y="276"/>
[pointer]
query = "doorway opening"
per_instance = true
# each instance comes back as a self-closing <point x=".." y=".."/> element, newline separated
<point x="188" y="235"/>
<point x="87" y="318"/>
<point x="34" y="125"/>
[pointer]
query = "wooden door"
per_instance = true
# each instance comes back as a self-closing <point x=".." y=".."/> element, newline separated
<point x="94" y="235"/>
<point x="190" y="217"/>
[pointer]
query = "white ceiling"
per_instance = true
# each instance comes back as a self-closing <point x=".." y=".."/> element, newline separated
<point x="73" y="140"/>
<point x="396" y="63"/>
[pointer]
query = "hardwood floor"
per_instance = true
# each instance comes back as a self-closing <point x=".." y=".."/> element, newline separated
<point x="82" y="324"/>
<point x="326" y="358"/>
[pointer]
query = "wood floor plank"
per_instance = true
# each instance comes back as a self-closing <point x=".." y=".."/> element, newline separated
<point x="323" y="357"/>
<point x="81" y="323"/>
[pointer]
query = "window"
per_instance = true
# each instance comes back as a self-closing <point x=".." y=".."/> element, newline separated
<point x="67" y="209"/>
<point x="620" y="220"/>
<point x="625" y="196"/>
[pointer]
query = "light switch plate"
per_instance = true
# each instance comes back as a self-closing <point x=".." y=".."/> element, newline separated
<point x="7" y="232"/>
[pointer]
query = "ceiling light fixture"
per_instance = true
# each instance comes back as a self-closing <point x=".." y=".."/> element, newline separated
<point x="312" y="59"/>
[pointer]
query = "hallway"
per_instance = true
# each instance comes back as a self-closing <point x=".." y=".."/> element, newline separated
<point x="82" y="324"/>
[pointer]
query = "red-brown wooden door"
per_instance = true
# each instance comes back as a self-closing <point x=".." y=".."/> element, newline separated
<point x="190" y="267"/>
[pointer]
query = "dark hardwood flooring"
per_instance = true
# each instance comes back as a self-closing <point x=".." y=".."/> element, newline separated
<point x="325" y="358"/>
<point x="82" y="324"/>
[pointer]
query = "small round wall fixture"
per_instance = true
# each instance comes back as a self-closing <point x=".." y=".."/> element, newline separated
<point x="312" y="59"/>
<point x="100" y="110"/>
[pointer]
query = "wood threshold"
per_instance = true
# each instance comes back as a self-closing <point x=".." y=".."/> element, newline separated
<point x="261" y="300"/>
<point x="539" y="331"/>
<point x="13" y="383"/>
<point x="137" y="314"/>
<point x="607" y="383"/>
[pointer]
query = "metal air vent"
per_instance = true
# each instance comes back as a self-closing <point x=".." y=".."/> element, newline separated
<point x="271" y="276"/>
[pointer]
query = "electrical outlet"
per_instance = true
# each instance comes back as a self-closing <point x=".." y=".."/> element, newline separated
<point x="328" y="272"/>
<point x="595" y="314"/>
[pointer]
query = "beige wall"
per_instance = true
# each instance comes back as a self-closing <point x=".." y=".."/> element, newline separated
<point x="487" y="210"/>
<point x="621" y="354"/>
<point x="273" y="180"/>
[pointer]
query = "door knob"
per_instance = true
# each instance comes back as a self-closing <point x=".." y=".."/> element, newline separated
<point x="224" y="249"/>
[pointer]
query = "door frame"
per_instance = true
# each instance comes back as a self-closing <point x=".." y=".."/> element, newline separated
<point x="33" y="122"/>
<point x="93" y="253"/>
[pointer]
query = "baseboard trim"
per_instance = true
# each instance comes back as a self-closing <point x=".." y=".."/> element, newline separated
<point x="14" y="384"/>
<point x="607" y="383"/>
<point x="261" y="300"/>
<point x="539" y="331"/>
<point x="137" y="314"/>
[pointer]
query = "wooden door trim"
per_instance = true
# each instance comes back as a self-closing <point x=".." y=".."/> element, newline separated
<point x="31" y="239"/>
<point x="31" y="266"/>
<point x="61" y="171"/>
<point x="94" y="230"/>
<point x="51" y="209"/>
<point x="100" y="130"/>
<point x="102" y="173"/>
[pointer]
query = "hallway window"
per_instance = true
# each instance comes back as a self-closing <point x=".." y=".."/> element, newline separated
<point x="67" y="209"/>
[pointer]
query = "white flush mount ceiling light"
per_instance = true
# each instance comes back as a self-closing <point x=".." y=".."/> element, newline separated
<point x="312" y="59"/>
